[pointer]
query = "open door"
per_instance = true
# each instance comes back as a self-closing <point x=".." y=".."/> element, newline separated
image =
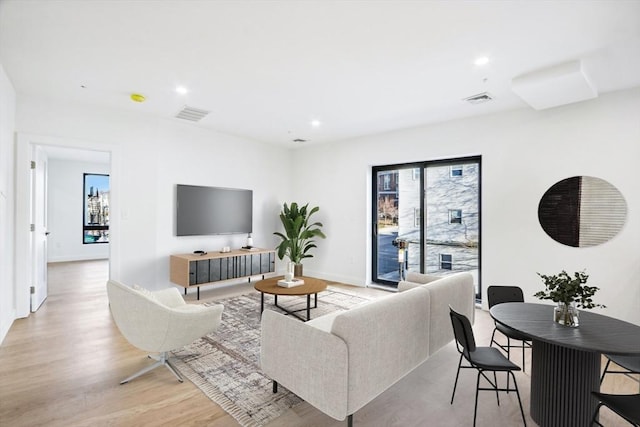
<point x="39" y="231"/>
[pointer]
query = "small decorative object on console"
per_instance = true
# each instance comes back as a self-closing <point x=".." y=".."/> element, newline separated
<point x="290" y="283"/>
<point x="570" y="293"/>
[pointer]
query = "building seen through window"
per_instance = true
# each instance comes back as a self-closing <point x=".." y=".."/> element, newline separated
<point x="96" y="209"/>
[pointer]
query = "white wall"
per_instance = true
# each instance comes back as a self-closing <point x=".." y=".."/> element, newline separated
<point x="65" y="211"/>
<point x="7" y="223"/>
<point x="149" y="157"/>
<point x="523" y="152"/>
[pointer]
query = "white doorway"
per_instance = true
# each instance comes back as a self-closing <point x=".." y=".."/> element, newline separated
<point x="34" y="230"/>
<point x="40" y="232"/>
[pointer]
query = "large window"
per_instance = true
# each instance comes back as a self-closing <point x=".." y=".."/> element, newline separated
<point x="426" y="219"/>
<point x="95" y="225"/>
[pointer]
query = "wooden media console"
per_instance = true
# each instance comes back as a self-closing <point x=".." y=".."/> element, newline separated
<point x="195" y="270"/>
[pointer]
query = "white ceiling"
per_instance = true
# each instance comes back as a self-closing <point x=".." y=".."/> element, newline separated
<point x="265" y="69"/>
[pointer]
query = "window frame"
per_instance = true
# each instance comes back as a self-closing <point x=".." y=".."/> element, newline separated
<point x="92" y="227"/>
<point x="456" y="168"/>
<point x="443" y="261"/>
<point x="455" y="219"/>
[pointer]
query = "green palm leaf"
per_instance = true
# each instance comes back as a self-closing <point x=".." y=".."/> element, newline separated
<point x="297" y="239"/>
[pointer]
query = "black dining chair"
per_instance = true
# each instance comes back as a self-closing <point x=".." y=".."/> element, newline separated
<point x="498" y="295"/>
<point x="630" y="364"/>
<point x="625" y="405"/>
<point x="484" y="359"/>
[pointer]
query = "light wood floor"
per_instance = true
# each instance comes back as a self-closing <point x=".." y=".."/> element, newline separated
<point x="62" y="366"/>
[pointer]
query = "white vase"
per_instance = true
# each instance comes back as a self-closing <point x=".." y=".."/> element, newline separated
<point x="289" y="273"/>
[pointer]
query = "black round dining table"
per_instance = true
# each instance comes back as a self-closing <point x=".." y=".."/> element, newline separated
<point x="566" y="361"/>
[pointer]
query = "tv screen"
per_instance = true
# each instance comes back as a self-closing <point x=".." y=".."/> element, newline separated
<point x="213" y="210"/>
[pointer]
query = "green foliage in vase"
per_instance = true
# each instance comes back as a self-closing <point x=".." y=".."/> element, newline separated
<point x="299" y="235"/>
<point x="567" y="289"/>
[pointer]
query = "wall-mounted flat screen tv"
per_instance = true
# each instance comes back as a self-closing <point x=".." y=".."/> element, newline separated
<point x="213" y="210"/>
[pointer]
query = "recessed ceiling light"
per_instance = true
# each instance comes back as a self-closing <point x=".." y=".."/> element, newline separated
<point x="483" y="60"/>
<point x="315" y="123"/>
<point x="181" y="90"/>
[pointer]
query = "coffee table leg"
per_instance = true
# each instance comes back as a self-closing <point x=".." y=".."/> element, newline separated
<point x="316" y="300"/>
<point x="261" y="302"/>
<point x="308" y="306"/>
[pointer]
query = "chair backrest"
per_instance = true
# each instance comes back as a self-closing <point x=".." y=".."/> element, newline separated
<point x="143" y="321"/>
<point x="499" y="294"/>
<point x="462" y="331"/>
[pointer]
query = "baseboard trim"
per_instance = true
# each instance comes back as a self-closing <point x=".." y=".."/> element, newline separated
<point x="76" y="258"/>
<point x="5" y="325"/>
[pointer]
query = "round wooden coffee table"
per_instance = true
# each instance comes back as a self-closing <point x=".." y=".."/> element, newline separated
<point x="311" y="286"/>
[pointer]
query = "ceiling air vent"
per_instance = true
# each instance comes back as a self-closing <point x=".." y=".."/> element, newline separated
<point x="479" y="98"/>
<point x="191" y="114"/>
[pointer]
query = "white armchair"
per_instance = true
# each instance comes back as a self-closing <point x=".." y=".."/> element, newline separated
<point x="159" y="321"/>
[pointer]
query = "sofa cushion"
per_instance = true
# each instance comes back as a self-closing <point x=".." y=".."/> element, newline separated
<point x="455" y="290"/>
<point x="386" y="339"/>
<point x="325" y="322"/>
<point x="421" y="278"/>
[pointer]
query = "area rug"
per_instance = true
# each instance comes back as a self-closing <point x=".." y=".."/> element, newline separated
<point x="225" y="365"/>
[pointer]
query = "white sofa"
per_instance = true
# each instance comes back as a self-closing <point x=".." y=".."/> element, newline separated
<point x="341" y="361"/>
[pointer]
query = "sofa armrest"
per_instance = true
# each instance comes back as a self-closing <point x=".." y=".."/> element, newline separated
<point x="413" y="280"/>
<point x="309" y="362"/>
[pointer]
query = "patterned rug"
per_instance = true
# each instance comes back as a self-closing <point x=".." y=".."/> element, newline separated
<point x="225" y="365"/>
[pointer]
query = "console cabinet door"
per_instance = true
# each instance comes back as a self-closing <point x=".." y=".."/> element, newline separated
<point x="192" y="273"/>
<point x="265" y="263"/>
<point x="272" y="262"/>
<point x="255" y="264"/>
<point x="214" y="273"/>
<point x="202" y="271"/>
<point x="242" y="266"/>
<point x="224" y="268"/>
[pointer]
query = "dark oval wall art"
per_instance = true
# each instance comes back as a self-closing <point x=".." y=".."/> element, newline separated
<point x="582" y="211"/>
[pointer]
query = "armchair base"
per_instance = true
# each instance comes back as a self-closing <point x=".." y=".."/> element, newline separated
<point x="161" y="359"/>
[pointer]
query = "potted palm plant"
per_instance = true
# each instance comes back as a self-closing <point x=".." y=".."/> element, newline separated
<point x="569" y="293"/>
<point x="299" y="234"/>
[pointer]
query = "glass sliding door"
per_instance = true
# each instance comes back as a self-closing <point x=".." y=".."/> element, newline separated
<point x="452" y="220"/>
<point x="397" y="220"/>
<point x="427" y="219"/>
